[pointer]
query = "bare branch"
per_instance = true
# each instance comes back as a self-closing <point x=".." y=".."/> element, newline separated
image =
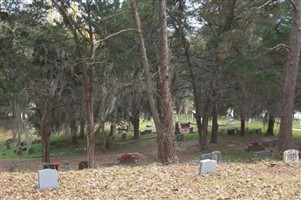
<point x="277" y="47"/>
<point x="293" y="3"/>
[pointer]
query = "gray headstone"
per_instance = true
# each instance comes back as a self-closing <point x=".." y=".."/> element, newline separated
<point x="263" y="154"/>
<point x="291" y="156"/>
<point x="206" y="156"/>
<point x="207" y="166"/>
<point x="216" y="155"/>
<point x="47" y="179"/>
<point x="66" y="165"/>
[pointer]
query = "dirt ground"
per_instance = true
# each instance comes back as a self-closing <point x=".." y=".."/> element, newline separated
<point x="187" y="151"/>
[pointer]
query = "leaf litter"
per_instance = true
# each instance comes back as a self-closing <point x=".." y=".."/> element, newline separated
<point x="261" y="180"/>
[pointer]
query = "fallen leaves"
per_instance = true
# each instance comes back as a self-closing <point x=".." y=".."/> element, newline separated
<point x="231" y="181"/>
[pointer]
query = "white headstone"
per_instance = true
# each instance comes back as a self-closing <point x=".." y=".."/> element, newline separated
<point x="291" y="156"/>
<point x="48" y="179"/>
<point x="207" y="166"/>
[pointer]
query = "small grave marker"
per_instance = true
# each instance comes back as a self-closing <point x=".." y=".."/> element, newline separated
<point x="291" y="156"/>
<point x="66" y="165"/>
<point x="207" y="166"/>
<point x="215" y="155"/>
<point x="206" y="156"/>
<point x="83" y="165"/>
<point x="263" y="154"/>
<point x="47" y="179"/>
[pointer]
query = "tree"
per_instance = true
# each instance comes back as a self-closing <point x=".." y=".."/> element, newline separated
<point x="163" y="115"/>
<point x="290" y="77"/>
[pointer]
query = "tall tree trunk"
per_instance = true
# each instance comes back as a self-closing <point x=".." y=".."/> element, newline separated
<point x="45" y="141"/>
<point x="136" y="123"/>
<point x="166" y="152"/>
<point x="73" y="130"/>
<point x="204" y="128"/>
<point x="82" y="128"/>
<point x="164" y="144"/>
<point x="270" y="130"/>
<point x="90" y="127"/>
<point x="290" y="77"/>
<point x="214" y="133"/>
<point x="46" y="119"/>
<point x="242" y="124"/>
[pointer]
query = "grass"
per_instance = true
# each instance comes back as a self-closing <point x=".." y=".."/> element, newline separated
<point x="60" y="145"/>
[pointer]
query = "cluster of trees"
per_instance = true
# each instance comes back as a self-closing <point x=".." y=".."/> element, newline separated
<point x="83" y="63"/>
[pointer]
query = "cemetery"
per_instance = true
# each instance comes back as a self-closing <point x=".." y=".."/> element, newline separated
<point x="129" y="99"/>
<point x="128" y="170"/>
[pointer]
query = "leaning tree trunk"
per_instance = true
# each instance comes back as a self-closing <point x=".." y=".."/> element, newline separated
<point x="270" y="130"/>
<point x="166" y="151"/>
<point x="290" y="77"/>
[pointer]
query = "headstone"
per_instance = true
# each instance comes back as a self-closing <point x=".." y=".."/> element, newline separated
<point x="18" y="151"/>
<point x="146" y="132"/>
<point x="231" y="132"/>
<point x="51" y="166"/>
<point x="83" y="165"/>
<point x="291" y="156"/>
<point x="22" y="144"/>
<point x="66" y="165"/>
<point x="180" y="137"/>
<point x="263" y="154"/>
<point x="177" y="129"/>
<point x="255" y="146"/>
<point x="47" y="179"/>
<point x="123" y="136"/>
<point x="269" y="142"/>
<point x="29" y="140"/>
<point x="7" y="145"/>
<point x="217" y="156"/>
<point x="128" y="159"/>
<point x="31" y="150"/>
<point x="206" y="156"/>
<point x="207" y="166"/>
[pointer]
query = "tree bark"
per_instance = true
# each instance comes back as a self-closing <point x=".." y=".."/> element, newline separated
<point x="214" y="133"/>
<point x="166" y="152"/>
<point x="73" y="130"/>
<point x="290" y="77"/>
<point x="46" y="113"/>
<point x="204" y="127"/>
<point x="270" y="130"/>
<point x="90" y="127"/>
<point x="82" y="128"/>
<point x="136" y="123"/>
<point x="242" y="124"/>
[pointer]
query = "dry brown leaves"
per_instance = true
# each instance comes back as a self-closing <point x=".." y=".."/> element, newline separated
<point x="263" y="180"/>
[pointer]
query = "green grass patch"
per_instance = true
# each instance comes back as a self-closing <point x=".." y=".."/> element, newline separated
<point x="240" y="156"/>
